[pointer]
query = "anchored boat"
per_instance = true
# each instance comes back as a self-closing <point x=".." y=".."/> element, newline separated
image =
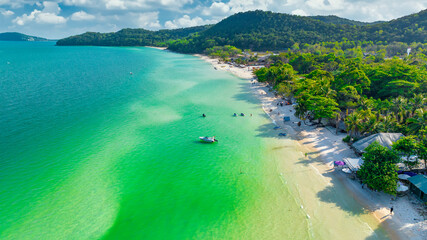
<point x="208" y="139"/>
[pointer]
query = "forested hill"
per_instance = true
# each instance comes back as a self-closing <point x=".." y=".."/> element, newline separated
<point x="131" y="37"/>
<point x="259" y="30"/>
<point x="14" y="36"/>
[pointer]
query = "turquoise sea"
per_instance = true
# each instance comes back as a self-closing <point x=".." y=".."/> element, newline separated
<point x="90" y="151"/>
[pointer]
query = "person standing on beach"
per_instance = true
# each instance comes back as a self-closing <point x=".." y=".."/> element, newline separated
<point x="391" y="210"/>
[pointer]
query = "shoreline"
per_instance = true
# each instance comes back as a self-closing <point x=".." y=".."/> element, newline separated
<point x="406" y="222"/>
<point x="160" y="48"/>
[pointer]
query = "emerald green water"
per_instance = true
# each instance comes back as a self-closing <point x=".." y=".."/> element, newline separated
<point x="89" y="151"/>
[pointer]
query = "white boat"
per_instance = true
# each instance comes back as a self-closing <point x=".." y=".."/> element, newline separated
<point x="208" y="139"/>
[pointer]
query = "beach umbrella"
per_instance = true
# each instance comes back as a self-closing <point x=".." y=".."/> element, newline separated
<point x="401" y="187"/>
<point x="403" y="176"/>
<point x="339" y="163"/>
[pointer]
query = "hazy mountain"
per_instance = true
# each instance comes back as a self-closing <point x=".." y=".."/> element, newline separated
<point x="14" y="36"/>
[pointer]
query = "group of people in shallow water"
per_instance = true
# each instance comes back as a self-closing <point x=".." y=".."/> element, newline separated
<point x="241" y="114"/>
<point x="235" y="114"/>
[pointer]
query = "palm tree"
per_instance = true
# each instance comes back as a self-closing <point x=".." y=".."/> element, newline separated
<point x="353" y="122"/>
<point x="365" y="104"/>
<point x="418" y="122"/>
<point x="399" y="106"/>
<point x="370" y="125"/>
<point x="417" y="102"/>
<point x="388" y="123"/>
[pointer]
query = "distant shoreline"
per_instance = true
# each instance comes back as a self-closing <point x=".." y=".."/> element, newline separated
<point x="401" y="225"/>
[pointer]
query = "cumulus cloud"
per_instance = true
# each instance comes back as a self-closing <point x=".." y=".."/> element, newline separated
<point x="5" y="12"/>
<point x="357" y="10"/>
<point x="81" y="16"/>
<point x="129" y="4"/>
<point x="49" y="15"/>
<point x="217" y="9"/>
<point x="222" y="9"/>
<point x="148" y="20"/>
<point x="187" y="21"/>
<point x="115" y="4"/>
<point x="299" y="12"/>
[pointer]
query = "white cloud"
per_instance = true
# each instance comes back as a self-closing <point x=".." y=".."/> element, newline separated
<point x="361" y="10"/>
<point x="5" y="12"/>
<point x="115" y="4"/>
<point x="221" y="9"/>
<point x="49" y="15"/>
<point x="79" y="2"/>
<point x="327" y="5"/>
<point x="148" y="20"/>
<point x="112" y="15"/>
<point x="129" y="4"/>
<point x="299" y="12"/>
<point x="217" y="9"/>
<point x="187" y="21"/>
<point x="50" y="18"/>
<point x="81" y="16"/>
<point x="51" y="7"/>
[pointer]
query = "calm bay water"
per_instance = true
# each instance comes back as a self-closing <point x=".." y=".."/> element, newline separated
<point x="90" y="151"/>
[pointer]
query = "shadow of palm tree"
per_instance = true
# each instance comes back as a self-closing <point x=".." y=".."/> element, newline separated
<point x="245" y="94"/>
<point x="340" y="195"/>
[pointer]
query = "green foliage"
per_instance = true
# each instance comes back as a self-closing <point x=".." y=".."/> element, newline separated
<point x="352" y="76"/>
<point x="407" y="146"/>
<point x="322" y="107"/>
<point x="261" y="74"/>
<point x="346" y="139"/>
<point x="348" y="98"/>
<point x="372" y="97"/>
<point x="379" y="170"/>
<point x="422" y="151"/>
<point x="223" y="52"/>
<point x="418" y="122"/>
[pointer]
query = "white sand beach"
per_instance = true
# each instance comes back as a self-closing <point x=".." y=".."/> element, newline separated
<point x="160" y="48"/>
<point x="406" y="222"/>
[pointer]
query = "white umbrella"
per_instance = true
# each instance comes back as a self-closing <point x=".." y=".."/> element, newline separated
<point x="401" y="188"/>
<point x="403" y="176"/>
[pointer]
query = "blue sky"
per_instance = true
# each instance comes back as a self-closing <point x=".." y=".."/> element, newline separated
<point x="61" y="18"/>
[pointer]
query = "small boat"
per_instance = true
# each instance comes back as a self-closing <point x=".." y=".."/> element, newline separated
<point x="282" y="134"/>
<point x="235" y="114"/>
<point x="276" y="127"/>
<point x="203" y="115"/>
<point x="208" y="139"/>
<point x="242" y="114"/>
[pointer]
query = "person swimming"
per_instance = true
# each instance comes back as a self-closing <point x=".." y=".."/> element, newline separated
<point x="203" y="115"/>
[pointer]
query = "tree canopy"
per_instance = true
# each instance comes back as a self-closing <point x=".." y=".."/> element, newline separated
<point x="379" y="170"/>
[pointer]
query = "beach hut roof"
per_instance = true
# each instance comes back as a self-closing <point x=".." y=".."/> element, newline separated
<point x="353" y="163"/>
<point x="420" y="181"/>
<point x="384" y="139"/>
